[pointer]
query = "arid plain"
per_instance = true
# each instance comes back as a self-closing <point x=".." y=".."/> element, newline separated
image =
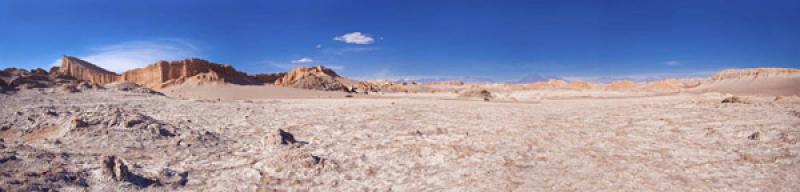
<point x="197" y="126"/>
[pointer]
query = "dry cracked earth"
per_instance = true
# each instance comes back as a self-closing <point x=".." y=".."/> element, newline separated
<point x="105" y="140"/>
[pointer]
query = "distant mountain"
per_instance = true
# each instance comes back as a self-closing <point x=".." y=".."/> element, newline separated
<point x="465" y="79"/>
<point x="532" y="78"/>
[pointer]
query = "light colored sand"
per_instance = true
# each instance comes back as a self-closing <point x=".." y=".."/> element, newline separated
<point x="681" y="142"/>
<point x="244" y="92"/>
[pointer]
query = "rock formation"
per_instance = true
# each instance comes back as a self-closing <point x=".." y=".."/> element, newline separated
<point x="319" y="78"/>
<point x="758" y="81"/>
<point x="622" y="85"/>
<point x="269" y="78"/>
<point x="476" y="93"/>
<point x="755" y="73"/>
<point x="164" y="73"/>
<point x="83" y="70"/>
<point x="579" y="85"/>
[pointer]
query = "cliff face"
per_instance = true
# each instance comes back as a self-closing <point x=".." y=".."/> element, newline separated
<point x="755" y="73"/>
<point x="269" y="77"/>
<point x="160" y="74"/>
<point x="82" y="70"/>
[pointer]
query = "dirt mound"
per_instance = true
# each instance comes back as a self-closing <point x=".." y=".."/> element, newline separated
<point x="129" y="87"/>
<point x="318" y="78"/>
<point x="787" y="99"/>
<point x="476" y="93"/>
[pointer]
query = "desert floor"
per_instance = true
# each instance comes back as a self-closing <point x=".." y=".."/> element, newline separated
<point x="680" y="142"/>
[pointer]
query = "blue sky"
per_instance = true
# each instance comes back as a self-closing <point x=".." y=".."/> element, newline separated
<point x="500" y="40"/>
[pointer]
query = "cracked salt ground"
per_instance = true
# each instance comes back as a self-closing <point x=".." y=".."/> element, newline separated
<point x="108" y="140"/>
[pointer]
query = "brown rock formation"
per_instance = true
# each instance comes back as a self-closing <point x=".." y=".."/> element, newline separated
<point x="319" y="78"/>
<point x="758" y="81"/>
<point x="82" y="70"/>
<point x="164" y="73"/>
<point x="445" y="83"/>
<point x="556" y="83"/>
<point x="579" y="85"/>
<point x="269" y="77"/>
<point x="622" y="85"/>
<point x="755" y="73"/>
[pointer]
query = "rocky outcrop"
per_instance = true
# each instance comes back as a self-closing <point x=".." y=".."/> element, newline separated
<point x="755" y="73"/>
<point x="318" y="78"/>
<point x="83" y="70"/>
<point x="622" y="85"/>
<point x="445" y="83"/>
<point x="476" y="93"/>
<point x="164" y="73"/>
<point x="269" y="77"/>
<point x="13" y="79"/>
<point x="579" y="85"/>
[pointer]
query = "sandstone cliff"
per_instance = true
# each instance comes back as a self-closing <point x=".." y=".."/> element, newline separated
<point x="755" y="73"/>
<point x="165" y="73"/>
<point x="83" y="70"/>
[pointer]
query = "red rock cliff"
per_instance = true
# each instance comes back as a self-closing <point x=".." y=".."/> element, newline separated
<point x="156" y="75"/>
<point x="83" y="70"/>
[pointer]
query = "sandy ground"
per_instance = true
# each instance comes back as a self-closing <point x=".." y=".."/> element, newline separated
<point x="681" y="142"/>
<point x="242" y="92"/>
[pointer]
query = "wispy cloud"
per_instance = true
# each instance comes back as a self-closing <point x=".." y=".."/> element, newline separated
<point x="355" y="38"/>
<point x="134" y="54"/>
<point x="345" y="50"/>
<point x="304" y="60"/>
<point x="672" y="63"/>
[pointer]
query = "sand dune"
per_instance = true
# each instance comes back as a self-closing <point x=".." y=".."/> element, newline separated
<point x="762" y="82"/>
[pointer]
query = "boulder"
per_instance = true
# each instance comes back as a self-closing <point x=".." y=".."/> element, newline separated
<point x="735" y="99"/>
<point x="476" y="93"/>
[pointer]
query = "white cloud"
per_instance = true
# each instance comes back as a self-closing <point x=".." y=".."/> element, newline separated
<point x="355" y="38"/>
<point x="672" y="63"/>
<point x="135" y="54"/>
<point x="304" y="60"/>
<point x="319" y="46"/>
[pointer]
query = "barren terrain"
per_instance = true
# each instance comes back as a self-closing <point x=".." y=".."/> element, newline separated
<point x="108" y="140"/>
